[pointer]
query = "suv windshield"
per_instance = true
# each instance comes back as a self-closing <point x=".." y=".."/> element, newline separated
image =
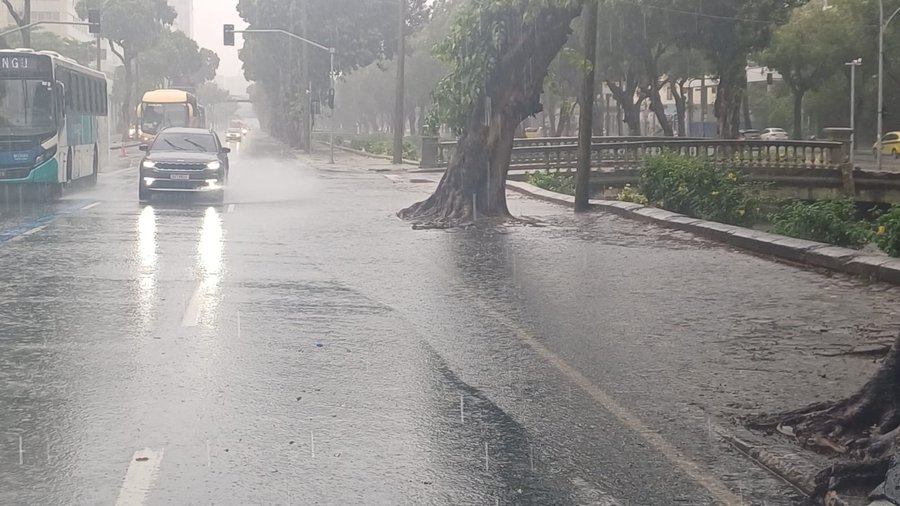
<point x="171" y="141"/>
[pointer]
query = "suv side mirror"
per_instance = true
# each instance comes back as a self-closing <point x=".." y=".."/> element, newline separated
<point x="226" y="150"/>
<point x="144" y="147"/>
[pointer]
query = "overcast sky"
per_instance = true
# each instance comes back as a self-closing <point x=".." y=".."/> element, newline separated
<point x="209" y="16"/>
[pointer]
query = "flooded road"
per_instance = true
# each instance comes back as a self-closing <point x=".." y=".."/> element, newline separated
<point x="299" y="344"/>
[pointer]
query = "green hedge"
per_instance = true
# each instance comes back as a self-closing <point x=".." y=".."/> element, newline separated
<point x="690" y="186"/>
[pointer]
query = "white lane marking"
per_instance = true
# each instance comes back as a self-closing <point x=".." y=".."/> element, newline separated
<point x="230" y="208"/>
<point x="713" y="485"/>
<point x="27" y="233"/>
<point x="192" y="311"/>
<point x="91" y="206"/>
<point x="140" y="477"/>
<point x="393" y="178"/>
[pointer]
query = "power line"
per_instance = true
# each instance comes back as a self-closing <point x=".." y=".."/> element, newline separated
<point x="696" y="13"/>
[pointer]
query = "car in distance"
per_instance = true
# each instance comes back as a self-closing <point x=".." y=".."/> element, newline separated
<point x="774" y="134"/>
<point x="750" y="134"/>
<point x="184" y="160"/>
<point x="234" y="134"/>
<point x="890" y="145"/>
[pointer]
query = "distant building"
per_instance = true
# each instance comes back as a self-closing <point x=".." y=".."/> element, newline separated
<point x="185" y="19"/>
<point x="49" y="10"/>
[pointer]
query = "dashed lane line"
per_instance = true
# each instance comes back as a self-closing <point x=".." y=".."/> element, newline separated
<point x="139" y="478"/>
<point x="192" y="310"/>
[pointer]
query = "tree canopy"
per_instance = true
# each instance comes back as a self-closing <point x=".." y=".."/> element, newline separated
<point x="362" y="31"/>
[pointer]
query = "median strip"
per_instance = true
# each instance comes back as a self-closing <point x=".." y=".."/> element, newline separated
<point x="816" y="254"/>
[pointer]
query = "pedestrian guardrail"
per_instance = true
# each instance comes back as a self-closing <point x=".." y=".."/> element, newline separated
<point x="628" y="152"/>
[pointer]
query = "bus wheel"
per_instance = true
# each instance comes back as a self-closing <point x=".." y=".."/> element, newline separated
<point x="92" y="180"/>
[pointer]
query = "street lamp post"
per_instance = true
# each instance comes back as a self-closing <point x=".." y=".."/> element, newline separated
<point x="882" y="26"/>
<point x="853" y="64"/>
<point x="229" y="29"/>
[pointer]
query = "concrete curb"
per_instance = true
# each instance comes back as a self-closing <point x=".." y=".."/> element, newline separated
<point x="816" y="254"/>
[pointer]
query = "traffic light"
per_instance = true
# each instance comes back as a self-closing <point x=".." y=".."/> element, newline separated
<point x="94" y="21"/>
<point x="229" y="35"/>
<point x="330" y="98"/>
<point x="770" y="78"/>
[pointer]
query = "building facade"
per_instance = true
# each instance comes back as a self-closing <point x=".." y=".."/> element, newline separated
<point x="49" y="10"/>
<point x="185" y="19"/>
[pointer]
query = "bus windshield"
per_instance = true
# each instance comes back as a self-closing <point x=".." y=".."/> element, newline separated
<point x="26" y="107"/>
<point x="158" y="116"/>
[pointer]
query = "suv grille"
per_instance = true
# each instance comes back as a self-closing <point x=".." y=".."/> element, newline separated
<point x="180" y="166"/>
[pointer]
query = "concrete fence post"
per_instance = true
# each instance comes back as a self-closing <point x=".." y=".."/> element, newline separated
<point x="429" y="157"/>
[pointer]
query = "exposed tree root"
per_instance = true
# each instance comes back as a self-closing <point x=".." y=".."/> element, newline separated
<point x="863" y="429"/>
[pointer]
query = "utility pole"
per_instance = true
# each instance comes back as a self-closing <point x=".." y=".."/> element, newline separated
<point x="853" y="64"/>
<point x="304" y="78"/>
<point x="586" y="110"/>
<point x="398" y="106"/>
<point x="882" y="26"/>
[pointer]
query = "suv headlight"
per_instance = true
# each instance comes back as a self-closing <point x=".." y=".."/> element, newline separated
<point x="214" y="165"/>
<point x="148" y="164"/>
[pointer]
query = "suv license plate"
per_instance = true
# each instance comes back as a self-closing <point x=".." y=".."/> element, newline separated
<point x="180" y="176"/>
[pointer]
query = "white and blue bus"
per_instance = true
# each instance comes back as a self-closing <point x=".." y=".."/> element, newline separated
<point x="53" y="127"/>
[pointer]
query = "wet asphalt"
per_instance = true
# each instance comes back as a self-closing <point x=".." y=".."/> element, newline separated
<point x="299" y="344"/>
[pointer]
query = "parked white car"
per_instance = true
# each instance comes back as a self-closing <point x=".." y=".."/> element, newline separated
<point x="774" y="134"/>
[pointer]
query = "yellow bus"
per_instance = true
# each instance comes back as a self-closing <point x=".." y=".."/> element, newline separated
<point x="167" y="108"/>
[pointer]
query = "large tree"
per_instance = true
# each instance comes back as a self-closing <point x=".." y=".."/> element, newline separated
<point x="727" y="31"/>
<point x="21" y="18"/>
<point x="806" y="52"/>
<point x="499" y="51"/>
<point x="362" y="31"/>
<point x="130" y="27"/>
<point x="863" y="428"/>
<point x="176" y="59"/>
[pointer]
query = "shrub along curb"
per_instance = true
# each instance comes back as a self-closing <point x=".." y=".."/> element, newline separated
<point x="873" y="266"/>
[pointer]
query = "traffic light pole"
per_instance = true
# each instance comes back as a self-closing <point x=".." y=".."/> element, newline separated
<point x="38" y="23"/>
<point x="65" y="23"/>
<point x="331" y="52"/>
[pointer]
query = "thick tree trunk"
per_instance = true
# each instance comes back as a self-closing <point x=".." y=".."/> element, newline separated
<point x="632" y="116"/>
<point x="551" y="114"/>
<point x="565" y="118"/>
<point x="659" y="109"/>
<point x="680" y="105"/>
<point x="732" y="83"/>
<point x="413" y="124"/>
<point x="631" y="108"/>
<point x="745" y="107"/>
<point x="798" y="114"/>
<point x="653" y="87"/>
<point x="474" y="185"/>
<point x="864" y="427"/>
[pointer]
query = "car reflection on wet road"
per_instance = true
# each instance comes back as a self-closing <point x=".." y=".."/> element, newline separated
<point x="300" y="345"/>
